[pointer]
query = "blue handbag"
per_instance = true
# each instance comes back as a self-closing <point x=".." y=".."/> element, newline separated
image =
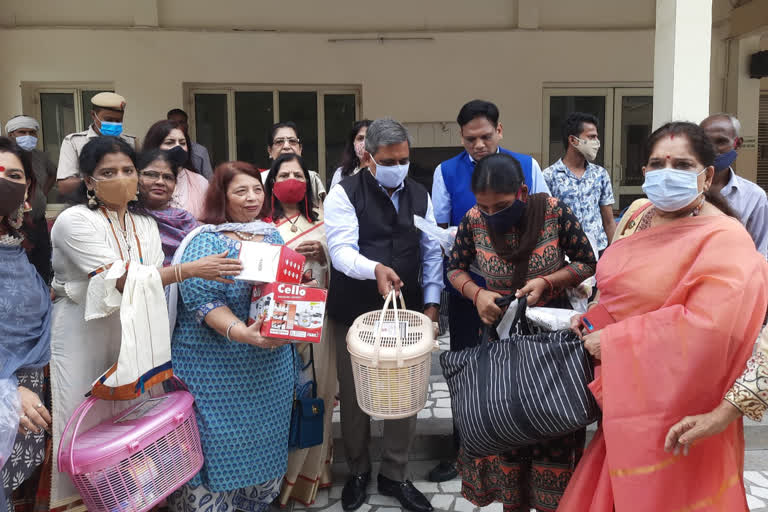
<point x="307" y="416"/>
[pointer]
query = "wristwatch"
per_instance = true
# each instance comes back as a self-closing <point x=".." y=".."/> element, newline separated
<point x="431" y="304"/>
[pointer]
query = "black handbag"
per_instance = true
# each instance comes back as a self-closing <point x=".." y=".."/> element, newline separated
<point x="520" y="390"/>
<point x="307" y="414"/>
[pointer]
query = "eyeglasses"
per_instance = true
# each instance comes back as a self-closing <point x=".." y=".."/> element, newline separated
<point x="154" y="176"/>
<point x="292" y="141"/>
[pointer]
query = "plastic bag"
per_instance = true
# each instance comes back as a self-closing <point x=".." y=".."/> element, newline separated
<point x="579" y="296"/>
<point x="446" y="237"/>
<point x="10" y="406"/>
<point x="551" y="319"/>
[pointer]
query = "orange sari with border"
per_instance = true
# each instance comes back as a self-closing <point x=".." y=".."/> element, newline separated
<point x="689" y="299"/>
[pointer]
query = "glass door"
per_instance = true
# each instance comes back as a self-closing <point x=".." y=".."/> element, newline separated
<point x="633" y="110"/>
<point x="625" y="117"/>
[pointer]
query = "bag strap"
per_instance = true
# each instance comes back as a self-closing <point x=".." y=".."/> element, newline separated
<point x="311" y="362"/>
<point x="314" y="375"/>
<point x="503" y="302"/>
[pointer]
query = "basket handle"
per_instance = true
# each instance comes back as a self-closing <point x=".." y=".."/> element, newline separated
<point x="78" y="415"/>
<point x="377" y="340"/>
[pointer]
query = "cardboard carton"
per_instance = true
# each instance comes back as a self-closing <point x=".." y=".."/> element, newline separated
<point x="292" y="311"/>
<point x="267" y="263"/>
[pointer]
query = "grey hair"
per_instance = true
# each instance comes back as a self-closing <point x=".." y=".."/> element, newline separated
<point x="385" y="132"/>
<point x="733" y="119"/>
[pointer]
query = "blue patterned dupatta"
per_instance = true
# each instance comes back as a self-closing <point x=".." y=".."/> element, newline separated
<point x="25" y="334"/>
<point x="172" y="291"/>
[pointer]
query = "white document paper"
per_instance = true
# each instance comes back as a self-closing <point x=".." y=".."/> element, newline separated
<point x="260" y="262"/>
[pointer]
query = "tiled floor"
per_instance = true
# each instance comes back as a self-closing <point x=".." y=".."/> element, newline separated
<point x="446" y="496"/>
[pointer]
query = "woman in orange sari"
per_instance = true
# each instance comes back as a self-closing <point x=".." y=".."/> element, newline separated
<point x="687" y="292"/>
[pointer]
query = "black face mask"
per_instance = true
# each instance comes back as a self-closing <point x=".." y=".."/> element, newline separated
<point x="12" y="194"/>
<point x="503" y="220"/>
<point x="177" y="155"/>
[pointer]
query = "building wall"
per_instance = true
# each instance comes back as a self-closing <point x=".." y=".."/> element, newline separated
<point x="413" y="81"/>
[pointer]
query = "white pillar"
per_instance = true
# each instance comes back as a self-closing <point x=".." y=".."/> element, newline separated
<point x="681" y="60"/>
<point x="743" y="100"/>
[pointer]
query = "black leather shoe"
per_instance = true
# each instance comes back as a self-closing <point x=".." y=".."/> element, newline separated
<point x="443" y="472"/>
<point x="410" y="498"/>
<point x="353" y="495"/>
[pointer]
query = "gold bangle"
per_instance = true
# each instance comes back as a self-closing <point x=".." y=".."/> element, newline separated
<point x="181" y="272"/>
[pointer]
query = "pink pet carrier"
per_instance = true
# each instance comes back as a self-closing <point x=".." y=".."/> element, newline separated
<point x="133" y="461"/>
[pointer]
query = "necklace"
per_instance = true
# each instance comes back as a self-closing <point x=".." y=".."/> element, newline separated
<point x="124" y="232"/>
<point x="245" y="236"/>
<point x="294" y="227"/>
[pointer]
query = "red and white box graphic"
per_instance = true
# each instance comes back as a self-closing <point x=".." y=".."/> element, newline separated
<point x="291" y="311"/>
<point x="267" y="263"/>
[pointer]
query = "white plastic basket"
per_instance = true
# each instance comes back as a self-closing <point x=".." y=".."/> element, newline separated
<point x="391" y="370"/>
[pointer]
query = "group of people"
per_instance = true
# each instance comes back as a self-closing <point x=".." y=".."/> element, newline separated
<point x="686" y="285"/>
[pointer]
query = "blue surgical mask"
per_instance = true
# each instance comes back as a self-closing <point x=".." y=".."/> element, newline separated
<point x="503" y="220"/>
<point x="391" y="176"/>
<point x="27" y="142"/>
<point x="671" y="190"/>
<point x="724" y="161"/>
<point x="110" y="129"/>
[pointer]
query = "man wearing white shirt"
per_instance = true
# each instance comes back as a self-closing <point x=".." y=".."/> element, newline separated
<point x="374" y="247"/>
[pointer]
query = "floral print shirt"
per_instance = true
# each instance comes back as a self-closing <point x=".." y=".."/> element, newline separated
<point x="583" y="195"/>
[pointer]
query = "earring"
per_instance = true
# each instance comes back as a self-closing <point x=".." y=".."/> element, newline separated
<point x="92" y="202"/>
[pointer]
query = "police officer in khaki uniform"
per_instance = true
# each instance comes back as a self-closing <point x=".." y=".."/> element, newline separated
<point x="107" y="119"/>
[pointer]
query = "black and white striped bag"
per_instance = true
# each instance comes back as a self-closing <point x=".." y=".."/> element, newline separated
<point x="520" y="390"/>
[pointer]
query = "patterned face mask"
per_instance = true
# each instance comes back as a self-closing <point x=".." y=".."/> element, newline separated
<point x="359" y="148"/>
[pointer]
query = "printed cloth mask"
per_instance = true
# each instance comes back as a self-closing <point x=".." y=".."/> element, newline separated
<point x="117" y="191"/>
<point x="359" y="148"/>
<point x="503" y="220"/>
<point x="27" y="142"/>
<point x="671" y="190"/>
<point x="391" y="176"/>
<point x="588" y="148"/>
<point x="110" y="129"/>
<point x="12" y="195"/>
<point x="724" y="161"/>
<point x="290" y="191"/>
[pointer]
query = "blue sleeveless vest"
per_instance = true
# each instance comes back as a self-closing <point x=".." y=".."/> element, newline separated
<point x="457" y="175"/>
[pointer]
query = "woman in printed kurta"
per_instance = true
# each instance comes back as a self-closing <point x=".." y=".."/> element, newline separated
<point x="518" y="244"/>
<point x="688" y="293"/>
<point x="243" y="383"/>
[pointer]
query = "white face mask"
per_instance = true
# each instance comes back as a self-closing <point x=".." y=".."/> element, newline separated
<point x="588" y="148"/>
<point x="391" y="176"/>
<point x="27" y="142"/>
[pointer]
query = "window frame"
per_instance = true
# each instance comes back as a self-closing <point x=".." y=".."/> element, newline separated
<point x="190" y="89"/>
<point x="32" y="105"/>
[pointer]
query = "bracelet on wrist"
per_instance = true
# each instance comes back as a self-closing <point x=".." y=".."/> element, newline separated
<point x="477" y="293"/>
<point x="549" y="283"/>
<point x="230" y="329"/>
